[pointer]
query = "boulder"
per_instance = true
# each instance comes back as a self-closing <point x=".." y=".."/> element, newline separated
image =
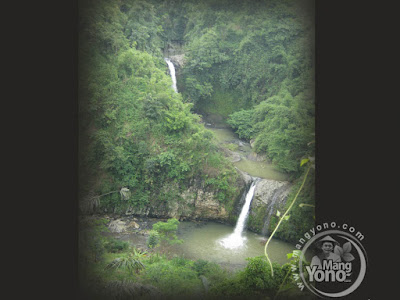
<point x="252" y="143"/>
<point x="268" y="191"/>
<point x="256" y="157"/>
<point x="117" y="226"/>
<point x="231" y="155"/>
<point x="133" y="224"/>
<point x="245" y="177"/>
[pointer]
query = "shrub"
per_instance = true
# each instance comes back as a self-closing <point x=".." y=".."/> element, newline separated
<point x="167" y="231"/>
<point x="241" y="122"/>
<point x="154" y="239"/>
<point x="257" y="275"/>
<point x="212" y="271"/>
<point x="156" y="258"/>
<point x="115" y="246"/>
<point x="181" y="261"/>
<point x="131" y="262"/>
<point x="229" y="288"/>
<point x="174" y="280"/>
<point x="200" y="266"/>
<point x="253" y="282"/>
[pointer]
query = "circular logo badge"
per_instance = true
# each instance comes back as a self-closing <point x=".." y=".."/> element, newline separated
<point x="333" y="264"/>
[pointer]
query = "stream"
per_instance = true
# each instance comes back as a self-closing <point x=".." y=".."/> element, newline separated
<point x="249" y="163"/>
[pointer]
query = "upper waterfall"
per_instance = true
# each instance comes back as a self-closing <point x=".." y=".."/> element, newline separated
<point x="172" y="72"/>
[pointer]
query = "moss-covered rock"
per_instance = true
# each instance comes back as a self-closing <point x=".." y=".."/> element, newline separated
<point x="269" y="196"/>
<point x="196" y="202"/>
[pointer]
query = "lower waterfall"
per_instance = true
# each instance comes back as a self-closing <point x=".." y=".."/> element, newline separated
<point x="236" y="240"/>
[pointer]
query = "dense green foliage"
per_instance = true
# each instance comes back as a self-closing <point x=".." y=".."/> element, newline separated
<point x="253" y="281"/>
<point x="241" y="121"/>
<point x="253" y="61"/>
<point x="115" y="246"/>
<point x="282" y="127"/>
<point x="250" y="62"/>
<point x="174" y="278"/>
<point x="135" y="132"/>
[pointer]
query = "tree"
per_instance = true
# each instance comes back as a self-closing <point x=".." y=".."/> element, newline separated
<point x="154" y="239"/>
<point x="167" y="231"/>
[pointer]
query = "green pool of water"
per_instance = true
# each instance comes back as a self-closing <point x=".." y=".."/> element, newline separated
<point x="224" y="134"/>
<point x="225" y="137"/>
<point x="201" y="241"/>
<point x="260" y="169"/>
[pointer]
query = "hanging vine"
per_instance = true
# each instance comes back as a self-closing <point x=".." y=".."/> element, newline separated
<point x="310" y="165"/>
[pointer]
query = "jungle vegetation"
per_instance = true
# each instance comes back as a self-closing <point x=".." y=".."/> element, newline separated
<point x="251" y="62"/>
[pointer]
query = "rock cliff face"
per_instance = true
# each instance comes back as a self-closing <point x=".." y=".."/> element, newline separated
<point x="173" y="48"/>
<point x="197" y="203"/>
<point x="178" y="60"/>
<point x="269" y="196"/>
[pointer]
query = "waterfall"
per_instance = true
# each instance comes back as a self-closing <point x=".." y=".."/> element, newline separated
<point x="236" y="239"/>
<point x="172" y="72"/>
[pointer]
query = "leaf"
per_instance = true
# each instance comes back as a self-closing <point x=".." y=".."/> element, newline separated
<point x="346" y="247"/>
<point x="289" y="255"/>
<point x="278" y="213"/>
<point x="338" y="250"/>
<point x="348" y="257"/>
<point x="286" y="217"/>
<point x="303" y="161"/>
<point x="305" y="204"/>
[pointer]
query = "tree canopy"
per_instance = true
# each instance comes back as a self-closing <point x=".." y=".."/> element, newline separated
<point x="135" y="131"/>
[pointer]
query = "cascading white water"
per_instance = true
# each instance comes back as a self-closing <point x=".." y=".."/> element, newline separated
<point x="172" y="72"/>
<point x="236" y="240"/>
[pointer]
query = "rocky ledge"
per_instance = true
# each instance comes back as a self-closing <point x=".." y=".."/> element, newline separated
<point x="178" y="60"/>
<point x="194" y="203"/>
